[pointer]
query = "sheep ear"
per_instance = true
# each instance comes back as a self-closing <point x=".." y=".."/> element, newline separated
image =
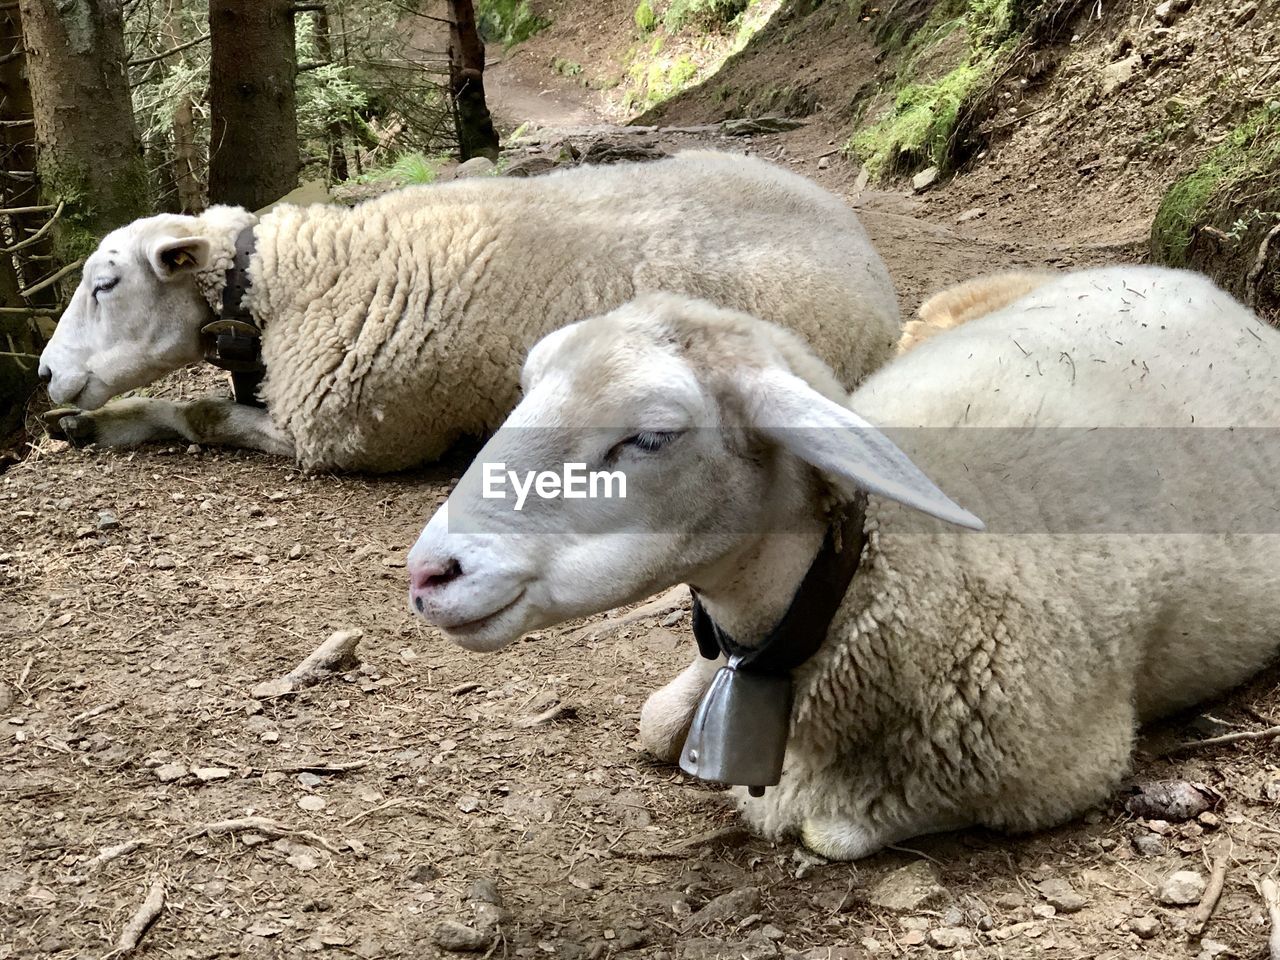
<point x="840" y="443"/>
<point x="171" y="257"/>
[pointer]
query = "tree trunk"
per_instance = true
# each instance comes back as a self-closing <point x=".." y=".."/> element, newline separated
<point x="337" y="136"/>
<point x="476" y="134"/>
<point x="21" y="338"/>
<point x="253" y="153"/>
<point x="88" y="151"/>
<point x="183" y="164"/>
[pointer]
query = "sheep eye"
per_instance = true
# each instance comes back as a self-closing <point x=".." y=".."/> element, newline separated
<point x="648" y="441"/>
<point x="102" y="286"/>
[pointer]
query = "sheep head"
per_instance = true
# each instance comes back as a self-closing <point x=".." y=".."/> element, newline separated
<point x="137" y="312"/>
<point x="720" y="428"/>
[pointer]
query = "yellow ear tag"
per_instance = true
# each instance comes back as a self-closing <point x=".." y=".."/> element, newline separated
<point x="183" y="259"/>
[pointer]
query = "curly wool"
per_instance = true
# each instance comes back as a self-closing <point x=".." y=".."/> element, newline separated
<point x="398" y="326"/>
<point x="999" y="679"/>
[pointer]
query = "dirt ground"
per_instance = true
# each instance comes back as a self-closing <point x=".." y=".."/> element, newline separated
<point x="144" y="595"/>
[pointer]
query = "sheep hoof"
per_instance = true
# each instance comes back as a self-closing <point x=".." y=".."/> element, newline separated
<point x="839" y="839"/>
<point x="79" y="429"/>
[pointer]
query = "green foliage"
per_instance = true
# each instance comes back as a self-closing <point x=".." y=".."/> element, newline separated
<point x="566" y="68"/>
<point x="412" y="168"/>
<point x="702" y="14"/>
<point x="919" y="129"/>
<point x="646" y="19"/>
<point x="659" y="81"/>
<point x="508" y="21"/>
<point x="1241" y="165"/>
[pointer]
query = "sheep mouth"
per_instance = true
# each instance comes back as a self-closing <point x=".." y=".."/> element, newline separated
<point x="478" y="634"/>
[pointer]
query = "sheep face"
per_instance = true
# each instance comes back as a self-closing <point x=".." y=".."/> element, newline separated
<point x="716" y="439"/>
<point x="135" y="316"/>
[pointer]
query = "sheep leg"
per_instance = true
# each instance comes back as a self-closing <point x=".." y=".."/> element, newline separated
<point x="212" y="422"/>
<point x="840" y="839"/>
<point x="667" y="714"/>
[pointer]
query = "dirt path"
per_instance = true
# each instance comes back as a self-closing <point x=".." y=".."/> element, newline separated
<point x="143" y="595"/>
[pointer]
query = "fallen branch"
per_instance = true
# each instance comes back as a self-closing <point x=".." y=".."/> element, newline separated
<point x="396" y="802"/>
<point x="95" y="712"/>
<point x="730" y="836"/>
<point x="334" y="657"/>
<point x="1209" y="902"/>
<point x="561" y="711"/>
<point x="132" y="933"/>
<point x="1226" y="738"/>
<point x="1271" y="897"/>
<point x="1259" y="265"/>
<point x="323" y="768"/>
<point x="113" y="853"/>
<point x="263" y="825"/>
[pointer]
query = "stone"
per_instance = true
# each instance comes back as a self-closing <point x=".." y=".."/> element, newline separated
<point x="864" y="178"/>
<point x="1168" y="11"/>
<point x="107" y="520"/>
<point x="163" y="563"/>
<point x="973" y="213"/>
<point x="824" y="163"/>
<point x="1170" y="800"/>
<point x="925" y="179"/>
<point x="422" y="873"/>
<point x="169" y="772"/>
<point x="1148" y="844"/>
<point x="475" y="167"/>
<point x="490" y="916"/>
<point x="1044" y="911"/>
<point x="531" y="166"/>
<point x="729" y="907"/>
<point x="485" y="890"/>
<point x="950" y="938"/>
<point x="459" y="938"/>
<point x="1116" y="75"/>
<point x="907" y="889"/>
<point x="1181" y="889"/>
<point x="1059" y="894"/>
<point x="210" y="774"/>
<point x="1209" y="949"/>
<point x="1144" y="927"/>
<point x="707" y="949"/>
<point x="749" y="126"/>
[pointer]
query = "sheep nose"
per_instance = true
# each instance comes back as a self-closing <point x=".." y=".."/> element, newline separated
<point x="425" y="578"/>
<point x="46" y="373"/>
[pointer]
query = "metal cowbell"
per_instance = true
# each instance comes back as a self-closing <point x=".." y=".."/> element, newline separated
<point x="739" y="732"/>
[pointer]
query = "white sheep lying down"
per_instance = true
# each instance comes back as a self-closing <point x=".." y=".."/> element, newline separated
<point x="969" y="678"/>
<point x="393" y="328"/>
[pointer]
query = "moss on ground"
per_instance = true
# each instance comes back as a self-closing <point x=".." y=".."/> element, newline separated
<point x="920" y="127"/>
<point x="1242" y="172"/>
<point x="508" y="21"/>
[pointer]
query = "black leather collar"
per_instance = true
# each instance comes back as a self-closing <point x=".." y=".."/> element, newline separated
<point x="803" y="628"/>
<point x="233" y="339"/>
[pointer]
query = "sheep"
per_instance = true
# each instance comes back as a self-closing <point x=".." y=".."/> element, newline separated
<point x="392" y="329"/>
<point x="968" y="678"/>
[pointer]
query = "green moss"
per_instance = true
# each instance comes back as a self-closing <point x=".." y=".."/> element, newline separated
<point x="566" y="68"/>
<point x="919" y="128"/>
<point x="646" y="19"/>
<point x="702" y="14"/>
<point x="1251" y="153"/>
<point x="508" y="21"/>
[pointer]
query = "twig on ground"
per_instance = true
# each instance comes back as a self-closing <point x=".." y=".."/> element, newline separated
<point x="318" y="767"/>
<point x="730" y="836"/>
<point x="132" y="933"/>
<point x="263" y="825"/>
<point x="1270" y="891"/>
<point x="397" y="802"/>
<point x="462" y="688"/>
<point x="1259" y="265"/>
<point x="335" y="656"/>
<point x="107" y="854"/>
<point x="561" y="711"/>
<point x="95" y="712"/>
<point x="1226" y="738"/>
<point x="673" y="599"/>
<point x="1209" y="902"/>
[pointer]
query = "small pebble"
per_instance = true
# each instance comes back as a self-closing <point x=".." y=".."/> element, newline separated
<point x="1181" y="889"/>
<point x="1144" y="927"/>
<point x="459" y="938"/>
